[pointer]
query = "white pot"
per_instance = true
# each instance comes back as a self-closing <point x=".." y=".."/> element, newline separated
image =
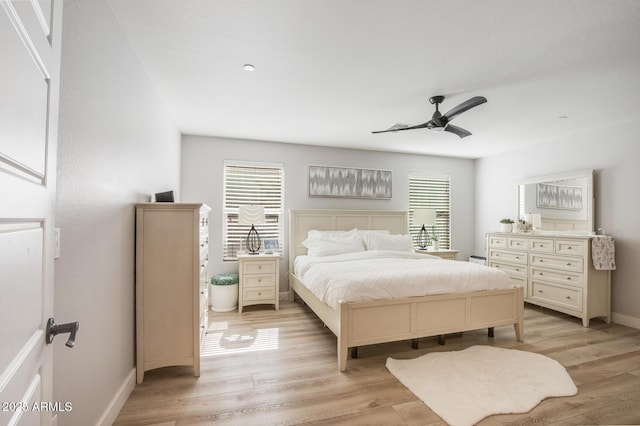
<point x="224" y="298"/>
<point x="506" y="227"/>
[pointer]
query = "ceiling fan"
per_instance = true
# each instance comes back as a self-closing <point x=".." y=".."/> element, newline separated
<point x="441" y="122"/>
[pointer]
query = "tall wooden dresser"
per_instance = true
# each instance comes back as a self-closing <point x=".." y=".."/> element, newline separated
<point x="556" y="272"/>
<point x="171" y="284"/>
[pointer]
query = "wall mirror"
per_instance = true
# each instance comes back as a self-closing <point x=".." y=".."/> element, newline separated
<point x="563" y="201"/>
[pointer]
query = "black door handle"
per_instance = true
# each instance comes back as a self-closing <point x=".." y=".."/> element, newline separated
<point x="54" y="329"/>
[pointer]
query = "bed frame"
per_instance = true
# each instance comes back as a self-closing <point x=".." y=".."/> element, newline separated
<point x="380" y="321"/>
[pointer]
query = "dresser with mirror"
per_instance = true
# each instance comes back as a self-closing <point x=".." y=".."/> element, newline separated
<point x="551" y="255"/>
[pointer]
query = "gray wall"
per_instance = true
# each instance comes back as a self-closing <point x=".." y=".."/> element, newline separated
<point x="202" y="181"/>
<point x="614" y="153"/>
<point x="117" y="145"/>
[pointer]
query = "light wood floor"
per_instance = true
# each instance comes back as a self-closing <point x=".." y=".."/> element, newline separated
<point x="279" y="367"/>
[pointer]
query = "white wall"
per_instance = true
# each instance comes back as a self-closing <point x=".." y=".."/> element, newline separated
<point x="117" y="145"/>
<point x="614" y="153"/>
<point x="202" y="181"/>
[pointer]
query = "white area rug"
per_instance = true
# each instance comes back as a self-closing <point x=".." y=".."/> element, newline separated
<point x="464" y="387"/>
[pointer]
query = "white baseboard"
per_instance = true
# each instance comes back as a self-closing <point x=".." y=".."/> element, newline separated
<point x="284" y="296"/>
<point x="625" y="320"/>
<point x="116" y="404"/>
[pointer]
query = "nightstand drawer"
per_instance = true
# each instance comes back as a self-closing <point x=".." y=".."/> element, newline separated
<point x="259" y="267"/>
<point x="258" y="293"/>
<point x="258" y="280"/>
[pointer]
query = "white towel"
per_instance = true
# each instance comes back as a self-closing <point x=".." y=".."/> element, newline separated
<point x="603" y="253"/>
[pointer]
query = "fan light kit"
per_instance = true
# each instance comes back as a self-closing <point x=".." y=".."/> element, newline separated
<point x="441" y="122"/>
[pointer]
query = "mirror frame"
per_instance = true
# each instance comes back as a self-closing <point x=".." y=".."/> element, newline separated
<point x="589" y="196"/>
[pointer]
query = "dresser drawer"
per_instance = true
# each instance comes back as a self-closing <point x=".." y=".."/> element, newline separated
<point x="500" y="242"/>
<point x="259" y="267"/>
<point x="518" y="243"/>
<point x="574" y="248"/>
<point x="567" y="297"/>
<point x="258" y="293"/>
<point x="561" y="277"/>
<point x="557" y="262"/>
<point x="512" y="270"/>
<point x="519" y="281"/>
<point x="541" y="245"/>
<point x="508" y="256"/>
<point x="259" y="280"/>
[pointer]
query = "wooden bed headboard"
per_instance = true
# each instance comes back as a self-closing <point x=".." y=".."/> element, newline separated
<point x="302" y="221"/>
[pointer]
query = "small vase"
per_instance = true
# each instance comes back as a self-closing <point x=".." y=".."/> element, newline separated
<point x="435" y="245"/>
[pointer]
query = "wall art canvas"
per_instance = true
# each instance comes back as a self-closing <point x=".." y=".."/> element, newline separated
<point x="349" y="182"/>
<point x="559" y="197"/>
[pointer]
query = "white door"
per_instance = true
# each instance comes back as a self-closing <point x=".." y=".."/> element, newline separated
<point x="30" y="33"/>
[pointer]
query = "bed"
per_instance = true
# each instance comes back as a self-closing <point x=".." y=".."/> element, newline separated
<point x="360" y="323"/>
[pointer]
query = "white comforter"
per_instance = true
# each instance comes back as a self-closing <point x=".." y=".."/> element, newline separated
<point x="371" y="275"/>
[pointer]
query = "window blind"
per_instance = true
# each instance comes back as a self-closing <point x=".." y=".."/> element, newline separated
<point x="251" y="184"/>
<point x="426" y="192"/>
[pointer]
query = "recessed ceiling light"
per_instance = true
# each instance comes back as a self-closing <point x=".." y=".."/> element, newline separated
<point x="562" y="117"/>
<point x="249" y="67"/>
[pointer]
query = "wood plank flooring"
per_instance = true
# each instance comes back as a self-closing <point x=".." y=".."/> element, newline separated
<point x="267" y="367"/>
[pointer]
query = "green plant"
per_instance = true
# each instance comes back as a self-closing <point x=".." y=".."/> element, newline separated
<point x="506" y="220"/>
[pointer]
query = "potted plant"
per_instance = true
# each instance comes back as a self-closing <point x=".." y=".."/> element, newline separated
<point x="224" y="292"/>
<point x="506" y="225"/>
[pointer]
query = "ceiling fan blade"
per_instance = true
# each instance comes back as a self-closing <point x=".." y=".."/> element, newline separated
<point x="462" y="133"/>
<point x="398" y="127"/>
<point x="465" y="106"/>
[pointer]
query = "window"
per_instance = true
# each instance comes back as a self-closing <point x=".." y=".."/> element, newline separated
<point x="427" y="192"/>
<point x="248" y="183"/>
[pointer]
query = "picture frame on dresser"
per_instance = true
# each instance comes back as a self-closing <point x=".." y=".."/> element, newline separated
<point x="271" y="245"/>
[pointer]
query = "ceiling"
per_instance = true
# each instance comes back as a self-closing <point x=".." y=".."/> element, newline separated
<point x="328" y="72"/>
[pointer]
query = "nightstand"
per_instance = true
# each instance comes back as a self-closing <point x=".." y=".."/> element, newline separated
<point x="445" y="254"/>
<point x="259" y="280"/>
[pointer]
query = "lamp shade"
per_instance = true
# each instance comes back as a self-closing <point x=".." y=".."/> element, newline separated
<point x="424" y="217"/>
<point x="250" y="215"/>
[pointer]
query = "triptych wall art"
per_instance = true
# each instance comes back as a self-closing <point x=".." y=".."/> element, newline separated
<point x="349" y="182"/>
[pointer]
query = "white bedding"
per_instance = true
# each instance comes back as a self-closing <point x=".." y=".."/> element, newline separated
<point x="378" y="274"/>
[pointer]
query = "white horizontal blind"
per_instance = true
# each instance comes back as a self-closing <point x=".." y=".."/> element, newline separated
<point x="427" y="192"/>
<point x="251" y="184"/>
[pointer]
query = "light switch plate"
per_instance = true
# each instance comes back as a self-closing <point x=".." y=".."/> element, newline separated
<point x="56" y="237"/>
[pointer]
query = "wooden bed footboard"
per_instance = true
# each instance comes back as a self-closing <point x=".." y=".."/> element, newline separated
<point x="380" y="321"/>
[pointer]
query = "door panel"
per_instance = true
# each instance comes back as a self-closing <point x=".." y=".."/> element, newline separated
<point x="28" y="139"/>
<point x="23" y="104"/>
<point x="20" y="279"/>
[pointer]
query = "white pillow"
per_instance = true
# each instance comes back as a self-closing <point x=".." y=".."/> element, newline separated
<point x="331" y="234"/>
<point x="333" y="246"/>
<point x="364" y="232"/>
<point x="377" y="241"/>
